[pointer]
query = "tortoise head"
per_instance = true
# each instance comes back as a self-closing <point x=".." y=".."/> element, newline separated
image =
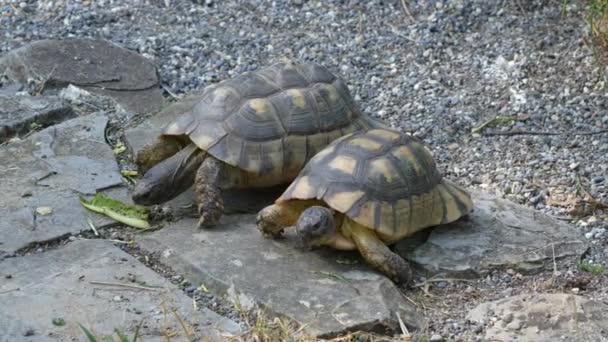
<point x="315" y="227"/>
<point x="154" y="188"/>
<point x="169" y="178"/>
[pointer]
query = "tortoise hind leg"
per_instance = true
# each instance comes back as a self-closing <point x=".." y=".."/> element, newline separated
<point x="376" y="253"/>
<point x="156" y="151"/>
<point x="208" y="191"/>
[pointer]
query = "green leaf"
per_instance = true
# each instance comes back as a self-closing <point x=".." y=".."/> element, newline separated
<point x="119" y="148"/>
<point x="90" y="336"/>
<point x="59" y="322"/>
<point x="129" y="173"/>
<point x="132" y="215"/>
<point x="123" y="337"/>
<point x="136" y="335"/>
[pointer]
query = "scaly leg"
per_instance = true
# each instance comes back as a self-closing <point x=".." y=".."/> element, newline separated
<point x="209" y="192"/>
<point x="276" y="217"/>
<point x="376" y="253"/>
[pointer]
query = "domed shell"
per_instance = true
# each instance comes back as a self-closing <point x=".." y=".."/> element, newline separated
<point x="274" y="120"/>
<point x="384" y="180"/>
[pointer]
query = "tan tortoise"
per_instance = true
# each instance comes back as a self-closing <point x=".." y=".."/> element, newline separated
<point x="363" y="192"/>
<point x="257" y="129"/>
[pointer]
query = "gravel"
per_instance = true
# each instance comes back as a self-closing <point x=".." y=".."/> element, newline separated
<point x="456" y="66"/>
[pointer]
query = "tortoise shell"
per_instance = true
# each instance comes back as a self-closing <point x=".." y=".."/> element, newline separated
<point x="381" y="179"/>
<point x="272" y="120"/>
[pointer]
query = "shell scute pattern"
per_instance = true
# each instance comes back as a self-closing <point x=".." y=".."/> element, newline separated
<point x="374" y="181"/>
<point x="236" y="119"/>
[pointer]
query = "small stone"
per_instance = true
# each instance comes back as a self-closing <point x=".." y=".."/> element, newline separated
<point x="508" y="318"/>
<point x="29" y="332"/>
<point x="44" y="210"/>
<point x="574" y="166"/>
<point x="515" y="325"/>
<point x="436" y="338"/>
<point x="575" y="290"/>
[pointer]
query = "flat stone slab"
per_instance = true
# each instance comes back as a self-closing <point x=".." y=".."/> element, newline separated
<point x="18" y="114"/>
<point x="313" y="288"/>
<point x="37" y="289"/>
<point x="43" y="176"/>
<point x="94" y="64"/>
<point x="499" y="234"/>
<point x="543" y="318"/>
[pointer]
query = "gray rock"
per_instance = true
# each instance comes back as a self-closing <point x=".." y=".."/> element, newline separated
<point x="57" y="285"/>
<point x="310" y="287"/>
<point x="436" y="338"/>
<point x="43" y="176"/>
<point x="96" y="65"/>
<point x="19" y="113"/>
<point x="544" y="318"/>
<point x="499" y="234"/>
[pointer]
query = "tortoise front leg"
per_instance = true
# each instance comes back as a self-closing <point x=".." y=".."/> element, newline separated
<point x="209" y="192"/>
<point x="274" y="218"/>
<point x="376" y="253"/>
<point x="156" y="151"/>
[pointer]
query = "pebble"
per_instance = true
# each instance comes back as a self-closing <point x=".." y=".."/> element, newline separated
<point x="436" y="338"/>
<point x="515" y="325"/>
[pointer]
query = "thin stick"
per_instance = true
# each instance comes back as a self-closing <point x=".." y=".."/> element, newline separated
<point x="10" y="290"/>
<point x="92" y="226"/>
<point x="404" y="330"/>
<point x="181" y="322"/>
<point x="520" y="132"/>
<point x="436" y="280"/>
<point x="170" y="92"/>
<point x="554" y="263"/>
<point x="120" y="241"/>
<point x="407" y="11"/>
<point x="123" y="285"/>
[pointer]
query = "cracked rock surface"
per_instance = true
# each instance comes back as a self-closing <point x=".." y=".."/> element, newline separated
<point x="43" y="176"/>
<point x="93" y="283"/>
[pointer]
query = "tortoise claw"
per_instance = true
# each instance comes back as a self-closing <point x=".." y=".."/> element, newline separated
<point x="209" y="217"/>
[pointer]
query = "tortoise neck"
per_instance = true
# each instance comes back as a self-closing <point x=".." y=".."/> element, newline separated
<point x="177" y="172"/>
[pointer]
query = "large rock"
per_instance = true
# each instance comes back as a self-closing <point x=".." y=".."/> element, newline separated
<point x="543" y="318"/>
<point x="43" y="176"/>
<point x="312" y="288"/>
<point x="499" y="234"/>
<point x="93" y="64"/>
<point x="37" y="289"/>
<point x="19" y="114"/>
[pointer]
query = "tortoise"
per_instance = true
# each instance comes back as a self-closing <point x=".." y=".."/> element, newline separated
<point x="365" y="191"/>
<point x="255" y="130"/>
